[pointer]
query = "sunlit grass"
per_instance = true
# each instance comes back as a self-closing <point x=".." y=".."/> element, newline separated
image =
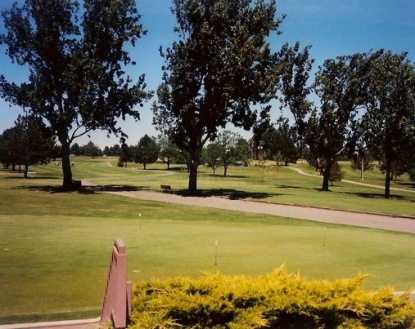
<point x="55" y="247"/>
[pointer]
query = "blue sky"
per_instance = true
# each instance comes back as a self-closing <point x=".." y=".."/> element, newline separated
<point x="331" y="27"/>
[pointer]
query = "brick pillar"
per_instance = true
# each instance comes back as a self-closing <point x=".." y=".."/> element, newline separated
<point x="117" y="300"/>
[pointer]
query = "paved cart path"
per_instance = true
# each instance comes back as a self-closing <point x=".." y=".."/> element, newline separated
<point x="392" y="223"/>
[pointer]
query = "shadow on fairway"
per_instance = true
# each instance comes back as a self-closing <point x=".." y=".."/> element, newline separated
<point x="376" y="195"/>
<point x="290" y="187"/>
<point x="86" y="189"/>
<point x="231" y="194"/>
<point x="408" y="185"/>
<point x="31" y="177"/>
<point x="111" y="188"/>
<point x="228" y="176"/>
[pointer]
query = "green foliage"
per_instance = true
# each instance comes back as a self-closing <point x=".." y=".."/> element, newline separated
<point x="278" y="143"/>
<point x="77" y="60"/>
<point x="147" y="151"/>
<point x="220" y="67"/>
<point x="28" y="143"/>
<point x="336" y="174"/>
<point x="169" y="152"/>
<point x="388" y="123"/>
<point x="211" y="156"/>
<point x="275" y="300"/>
<point x="341" y="89"/>
<point x="91" y="150"/>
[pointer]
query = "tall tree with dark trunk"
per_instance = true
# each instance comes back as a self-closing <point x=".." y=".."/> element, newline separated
<point x="341" y="85"/>
<point x="77" y="82"/>
<point x="389" y="123"/>
<point x="221" y="66"/>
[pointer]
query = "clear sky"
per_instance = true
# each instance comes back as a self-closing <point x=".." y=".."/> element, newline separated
<point x="331" y="27"/>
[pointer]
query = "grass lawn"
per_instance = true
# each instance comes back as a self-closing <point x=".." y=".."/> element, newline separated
<point x="55" y="247"/>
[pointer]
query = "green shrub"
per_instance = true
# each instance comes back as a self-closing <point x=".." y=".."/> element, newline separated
<point x="276" y="300"/>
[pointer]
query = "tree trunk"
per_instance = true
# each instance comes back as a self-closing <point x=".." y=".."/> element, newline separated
<point x="26" y="170"/>
<point x="225" y="170"/>
<point x="362" y="167"/>
<point x="326" y="175"/>
<point x="388" y="181"/>
<point x="66" y="167"/>
<point x="193" y="165"/>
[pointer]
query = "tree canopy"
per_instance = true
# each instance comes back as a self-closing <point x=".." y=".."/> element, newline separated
<point x="341" y="85"/>
<point x="146" y="151"/>
<point x="28" y="143"/>
<point x="388" y="125"/>
<point x="76" y="59"/>
<point x="222" y="70"/>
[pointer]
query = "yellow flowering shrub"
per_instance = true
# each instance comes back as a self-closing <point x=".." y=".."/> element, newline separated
<point x="275" y="300"/>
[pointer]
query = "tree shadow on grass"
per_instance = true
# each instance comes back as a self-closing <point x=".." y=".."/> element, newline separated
<point x="408" y="185"/>
<point x="290" y="187"/>
<point x="85" y="189"/>
<point x="20" y="176"/>
<point x="228" y="176"/>
<point x="111" y="188"/>
<point x="375" y="195"/>
<point x="230" y="194"/>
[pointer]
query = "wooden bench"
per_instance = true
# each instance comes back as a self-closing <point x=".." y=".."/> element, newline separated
<point x="166" y="188"/>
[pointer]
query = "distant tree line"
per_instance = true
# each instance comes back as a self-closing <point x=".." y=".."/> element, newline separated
<point x="28" y="143"/>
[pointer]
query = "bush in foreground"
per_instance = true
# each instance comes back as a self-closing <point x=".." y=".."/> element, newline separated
<point x="276" y="300"/>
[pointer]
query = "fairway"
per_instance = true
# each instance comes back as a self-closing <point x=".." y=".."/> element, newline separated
<point x="55" y="247"/>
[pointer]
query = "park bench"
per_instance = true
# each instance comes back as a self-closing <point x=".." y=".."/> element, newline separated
<point x="166" y="188"/>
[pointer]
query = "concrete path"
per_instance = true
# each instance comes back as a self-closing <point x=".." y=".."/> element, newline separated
<point x="399" y="224"/>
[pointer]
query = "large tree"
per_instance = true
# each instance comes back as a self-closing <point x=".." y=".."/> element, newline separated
<point x="76" y="60"/>
<point x="389" y="123"/>
<point x="221" y="70"/>
<point x="342" y="89"/>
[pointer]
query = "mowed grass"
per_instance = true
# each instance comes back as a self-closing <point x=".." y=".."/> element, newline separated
<point x="55" y="247"/>
<point x="282" y="185"/>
